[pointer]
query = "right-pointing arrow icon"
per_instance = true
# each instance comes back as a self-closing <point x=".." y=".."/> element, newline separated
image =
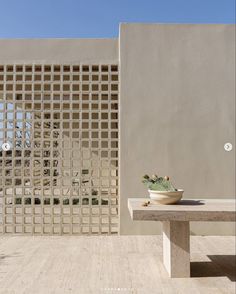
<point x="228" y="146"/>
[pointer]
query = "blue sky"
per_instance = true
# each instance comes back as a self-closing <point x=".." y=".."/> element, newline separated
<point x="101" y="18"/>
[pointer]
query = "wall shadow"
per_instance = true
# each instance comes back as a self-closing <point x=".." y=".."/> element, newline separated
<point x="219" y="266"/>
<point x="190" y="202"/>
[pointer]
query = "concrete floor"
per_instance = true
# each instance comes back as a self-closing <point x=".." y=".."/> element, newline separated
<point x="111" y="264"/>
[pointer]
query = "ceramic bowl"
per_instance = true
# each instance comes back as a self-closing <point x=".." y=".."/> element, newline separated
<point x="166" y="197"/>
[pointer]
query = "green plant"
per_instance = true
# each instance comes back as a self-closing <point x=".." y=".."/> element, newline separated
<point x="95" y="201"/>
<point x="18" y="201"/>
<point x="66" y="201"/>
<point x="158" y="183"/>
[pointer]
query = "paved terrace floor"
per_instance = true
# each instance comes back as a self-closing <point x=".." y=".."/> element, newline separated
<point x="112" y="264"/>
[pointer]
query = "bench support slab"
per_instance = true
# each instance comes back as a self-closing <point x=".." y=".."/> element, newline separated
<point x="176" y="248"/>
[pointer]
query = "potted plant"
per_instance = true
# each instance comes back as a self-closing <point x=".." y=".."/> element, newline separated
<point x="161" y="189"/>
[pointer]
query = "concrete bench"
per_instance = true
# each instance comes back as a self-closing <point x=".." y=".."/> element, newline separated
<point x="175" y="219"/>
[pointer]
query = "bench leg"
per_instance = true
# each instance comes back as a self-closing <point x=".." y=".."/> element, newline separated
<point x="176" y="248"/>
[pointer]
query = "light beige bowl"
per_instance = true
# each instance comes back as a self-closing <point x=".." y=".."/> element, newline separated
<point x="166" y="197"/>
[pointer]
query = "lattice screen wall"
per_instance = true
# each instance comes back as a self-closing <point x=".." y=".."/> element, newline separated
<point x="60" y="175"/>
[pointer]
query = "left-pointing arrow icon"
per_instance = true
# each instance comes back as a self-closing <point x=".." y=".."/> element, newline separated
<point x="6" y="146"/>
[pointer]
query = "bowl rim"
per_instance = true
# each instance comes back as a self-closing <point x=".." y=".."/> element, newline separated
<point x="156" y="191"/>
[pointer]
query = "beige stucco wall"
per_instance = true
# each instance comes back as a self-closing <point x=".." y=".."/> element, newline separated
<point x="177" y="105"/>
<point x="177" y="110"/>
<point x="58" y="51"/>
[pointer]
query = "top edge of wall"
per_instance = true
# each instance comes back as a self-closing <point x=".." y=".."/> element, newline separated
<point x="175" y="24"/>
<point x="147" y="25"/>
<point x="60" y="39"/>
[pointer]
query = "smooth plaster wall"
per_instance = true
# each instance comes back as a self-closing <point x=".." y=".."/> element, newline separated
<point x="177" y="110"/>
<point x="58" y="51"/>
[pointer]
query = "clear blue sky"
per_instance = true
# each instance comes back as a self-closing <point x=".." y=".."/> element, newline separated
<point x="101" y="18"/>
